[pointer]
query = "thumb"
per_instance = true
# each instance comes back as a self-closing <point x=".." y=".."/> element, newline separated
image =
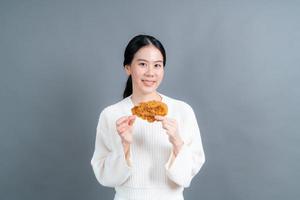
<point x="131" y="120"/>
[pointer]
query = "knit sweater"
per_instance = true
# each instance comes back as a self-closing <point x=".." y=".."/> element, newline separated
<point x="152" y="172"/>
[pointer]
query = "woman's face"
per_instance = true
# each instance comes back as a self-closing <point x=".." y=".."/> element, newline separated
<point x="146" y="70"/>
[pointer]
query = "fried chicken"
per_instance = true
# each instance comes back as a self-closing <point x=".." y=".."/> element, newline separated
<point x="147" y="110"/>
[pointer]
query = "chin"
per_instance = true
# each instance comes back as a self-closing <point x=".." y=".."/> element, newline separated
<point x="148" y="90"/>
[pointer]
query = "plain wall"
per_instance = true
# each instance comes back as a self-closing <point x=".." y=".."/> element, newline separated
<point x="235" y="62"/>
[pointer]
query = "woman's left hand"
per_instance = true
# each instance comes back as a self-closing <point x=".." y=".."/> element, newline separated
<point x="171" y="127"/>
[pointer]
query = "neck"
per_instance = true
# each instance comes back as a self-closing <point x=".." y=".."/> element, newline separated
<point x="137" y="97"/>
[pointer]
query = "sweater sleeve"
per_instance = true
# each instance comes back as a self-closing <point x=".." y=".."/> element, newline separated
<point x="188" y="162"/>
<point x="108" y="162"/>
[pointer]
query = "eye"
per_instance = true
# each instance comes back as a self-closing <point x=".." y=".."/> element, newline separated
<point x="142" y="64"/>
<point x="157" y="65"/>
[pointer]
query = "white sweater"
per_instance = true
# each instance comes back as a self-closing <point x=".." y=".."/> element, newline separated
<point x="152" y="172"/>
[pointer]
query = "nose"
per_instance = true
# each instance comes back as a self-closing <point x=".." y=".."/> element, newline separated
<point x="150" y="71"/>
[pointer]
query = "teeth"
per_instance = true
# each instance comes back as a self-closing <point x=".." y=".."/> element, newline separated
<point x="148" y="82"/>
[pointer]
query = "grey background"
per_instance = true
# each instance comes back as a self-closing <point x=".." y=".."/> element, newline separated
<point x="235" y="62"/>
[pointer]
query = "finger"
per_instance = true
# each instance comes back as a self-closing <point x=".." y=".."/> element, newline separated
<point x="167" y="126"/>
<point x="172" y="122"/>
<point x="132" y="117"/>
<point x="159" y="118"/>
<point x="131" y="120"/>
<point x="126" y="120"/>
<point x="123" y="130"/>
<point x="174" y="125"/>
<point x="166" y="122"/>
<point x="122" y="126"/>
<point x="121" y="120"/>
<point x="124" y="123"/>
<point x="170" y="129"/>
<point x="120" y="130"/>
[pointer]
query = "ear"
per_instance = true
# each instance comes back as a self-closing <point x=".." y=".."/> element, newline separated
<point x="127" y="69"/>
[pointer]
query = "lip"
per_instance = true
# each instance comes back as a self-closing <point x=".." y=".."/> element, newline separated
<point x="148" y="83"/>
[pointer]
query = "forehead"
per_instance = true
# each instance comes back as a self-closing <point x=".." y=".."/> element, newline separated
<point x="149" y="53"/>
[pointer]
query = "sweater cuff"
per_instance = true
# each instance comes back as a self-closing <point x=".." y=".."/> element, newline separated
<point x="177" y="168"/>
<point x="125" y="162"/>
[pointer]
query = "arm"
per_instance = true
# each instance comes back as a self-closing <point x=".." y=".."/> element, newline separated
<point x="109" y="165"/>
<point x="187" y="163"/>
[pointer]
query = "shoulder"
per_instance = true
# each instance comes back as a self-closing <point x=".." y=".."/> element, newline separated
<point x="179" y="105"/>
<point x="110" y="110"/>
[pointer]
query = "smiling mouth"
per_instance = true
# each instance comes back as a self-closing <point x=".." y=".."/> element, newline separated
<point x="148" y="83"/>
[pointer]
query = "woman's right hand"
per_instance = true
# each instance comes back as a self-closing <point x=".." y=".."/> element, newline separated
<point x="124" y="127"/>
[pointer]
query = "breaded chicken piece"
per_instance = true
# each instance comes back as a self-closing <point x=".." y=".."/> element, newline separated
<point x="147" y="110"/>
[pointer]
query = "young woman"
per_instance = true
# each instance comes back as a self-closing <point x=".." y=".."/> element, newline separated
<point x="143" y="160"/>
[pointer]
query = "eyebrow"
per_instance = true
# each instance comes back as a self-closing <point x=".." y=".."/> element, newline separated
<point x="140" y="59"/>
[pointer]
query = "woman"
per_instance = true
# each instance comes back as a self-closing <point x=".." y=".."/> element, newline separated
<point x="142" y="160"/>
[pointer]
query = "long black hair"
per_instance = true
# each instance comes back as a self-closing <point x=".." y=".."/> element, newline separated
<point x="133" y="46"/>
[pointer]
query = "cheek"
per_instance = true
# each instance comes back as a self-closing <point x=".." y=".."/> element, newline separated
<point x="161" y="75"/>
<point x="136" y="76"/>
